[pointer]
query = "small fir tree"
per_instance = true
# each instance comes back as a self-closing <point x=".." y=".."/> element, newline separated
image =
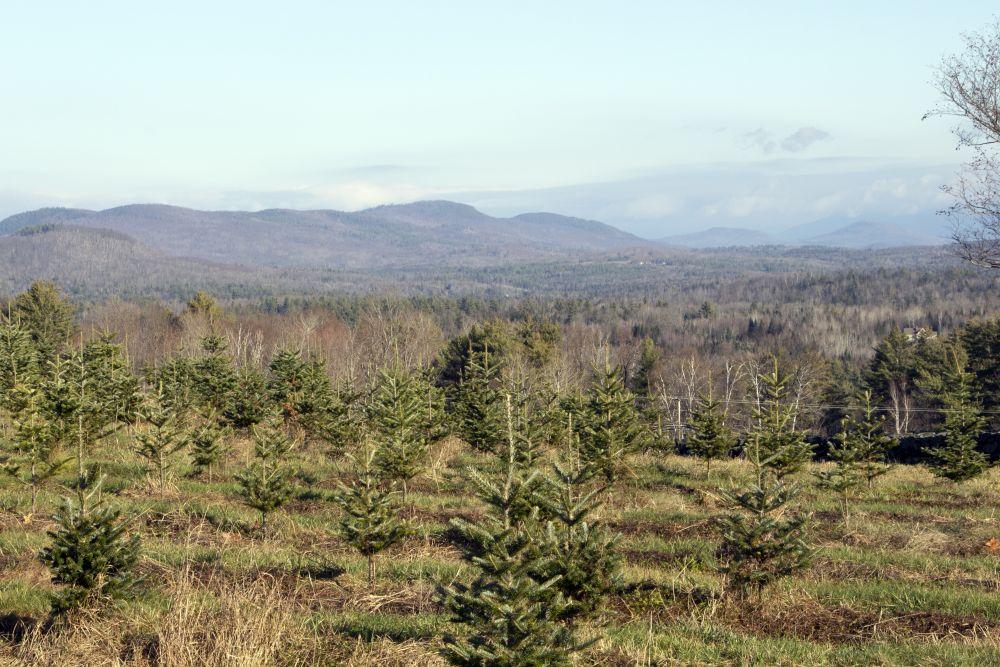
<point x="47" y="315"/>
<point x="403" y="422"/>
<point x="781" y="447"/>
<point x="32" y="455"/>
<point x="762" y="539"/>
<point x="338" y="420"/>
<point x="958" y="458"/>
<point x="709" y="438"/>
<point x="612" y="427"/>
<point x="158" y="436"/>
<point x="509" y="617"/>
<point x="585" y="562"/>
<point x="248" y="403"/>
<point x="480" y="404"/>
<point x="19" y="365"/>
<point x="91" y="555"/>
<point x="214" y="374"/>
<point x="208" y="445"/>
<point x="266" y="484"/>
<point x="370" y="522"/>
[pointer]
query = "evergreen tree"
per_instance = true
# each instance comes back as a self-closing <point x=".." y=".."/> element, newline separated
<point x="370" y="522"/>
<point x="782" y="448"/>
<point x="49" y="318"/>
<point x="585" y="562"/>
<point x="709" y="438"/>
<point x="338" y="420"/>
<point x="215" y="375"/>
<point x="401" y="423"/>
<point x="870" y="440"/>
<point x="762" y="539"/>
<point x="177" y="382"/>
<point x="31" y="456"/>
<point x="114" y="387"/>
<point x="510" y="618"/>
<point x="90" y="555"/>
<point x="208" y="445"/>
<point x="159" y="436"/>
<point x="858" y="454"/>
<point x="266" y="484"/>
<point x="285" y="382"/>
<point x="19" y="365"/>
<point x="247" y="403"/>
<point x="958" y="458"/>
<point x="480" y="403"/>
<point x="612" y="426"/>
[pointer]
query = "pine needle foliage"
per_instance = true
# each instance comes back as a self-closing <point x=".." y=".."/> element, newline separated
<point x="159" y="436"/>
<point x="584" y="558"/>
<point x="508" y="617"/>
<point x="858" y="453"/>
<point x="763" y="539"/>
<point x="708" y="437"/>
<point x="480" y="403"/>
<point x="958" y="458"/>
<point x="208" y="445"/>
<point x="265" y="485"/>
<point x="612" y="425"/>
<point x="773" y="437"/>
<point x="31" y="455"/>
<point x="370" y="522"/>
<point x="91" y="554"/>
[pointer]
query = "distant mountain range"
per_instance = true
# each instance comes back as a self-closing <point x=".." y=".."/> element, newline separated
<point x="171" y="251"/>
<point x="418" y="234"/>
<point x="830" y="232"/>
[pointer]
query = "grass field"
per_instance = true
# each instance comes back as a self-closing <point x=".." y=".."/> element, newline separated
<point x="913" y="581"/>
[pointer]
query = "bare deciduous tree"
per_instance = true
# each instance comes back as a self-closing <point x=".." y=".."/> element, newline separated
<point x="969" y="82"/>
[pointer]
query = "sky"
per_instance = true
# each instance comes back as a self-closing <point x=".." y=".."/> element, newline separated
<point x="656" y="116"/>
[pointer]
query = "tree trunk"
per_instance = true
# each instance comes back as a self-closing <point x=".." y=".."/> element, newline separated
<point x="371" y="571"/>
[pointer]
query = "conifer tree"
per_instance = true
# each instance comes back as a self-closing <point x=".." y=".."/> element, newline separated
<point x="762" y="538"/>
<point x="958" y="458"/>
<point x="370" y="522"/>
<point x="782" y="448"/>
<point x="177" y="382"/>
<point x="709" y="438"/>
<point x="215" y="375"/>
<point x="114" y="387"/>
<point x="266" y="484"/>
<point x="208" y="445"/>
<point x="338" y="420"/>
<point x="585" y="562"/>
<point x="480" y="403"/>
<point x="612" y="427"/>
<point x="869" y="438"/>
<point x="247" y="403"/>
<point x="159" y="436"/>
<point x="32" y="455"/>
<point x="402" y="421"/>
<point x="48" y="316"/>
<point x="509" y="617"/>
<point x="19" y="365"/>
<point x="90" y="553"/>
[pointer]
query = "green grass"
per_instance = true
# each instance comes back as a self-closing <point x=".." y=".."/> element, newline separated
<point x="915" y="554"/>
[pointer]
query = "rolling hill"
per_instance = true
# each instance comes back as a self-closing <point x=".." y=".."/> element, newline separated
<point x="418" y="234"/>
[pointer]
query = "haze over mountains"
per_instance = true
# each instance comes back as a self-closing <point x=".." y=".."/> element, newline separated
<point x="426" y="246"/>
<point x="422" y="233"/>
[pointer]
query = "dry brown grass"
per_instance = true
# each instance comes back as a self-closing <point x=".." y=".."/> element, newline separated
<point x="208" y="624"/>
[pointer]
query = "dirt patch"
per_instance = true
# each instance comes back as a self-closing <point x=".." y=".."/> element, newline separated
<point x="815" y="622"/>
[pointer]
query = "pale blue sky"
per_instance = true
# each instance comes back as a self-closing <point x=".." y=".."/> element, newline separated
<point x="652" y="115"/>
